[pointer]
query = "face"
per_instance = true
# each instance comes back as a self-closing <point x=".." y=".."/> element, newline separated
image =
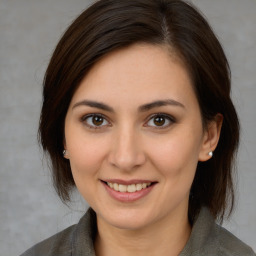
<point x="134" y="136"/>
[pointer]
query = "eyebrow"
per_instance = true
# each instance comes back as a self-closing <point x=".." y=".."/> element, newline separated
<point x="94" y="104"/>
<point x="143" y="108"/>
<point x="160" y="103"/>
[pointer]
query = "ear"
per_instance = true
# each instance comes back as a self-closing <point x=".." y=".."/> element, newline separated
<point x="211" y="138"/>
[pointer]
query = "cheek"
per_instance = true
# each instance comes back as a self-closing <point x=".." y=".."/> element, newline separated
<point x="176" y="162"/>
<point x="86" y="154"/>
<point x="86" y="158"/>
<point x="177" y="156"/>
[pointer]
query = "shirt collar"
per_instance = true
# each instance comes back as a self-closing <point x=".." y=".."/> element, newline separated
<point x="202" y="232"/>
<point x="202" y="236"/>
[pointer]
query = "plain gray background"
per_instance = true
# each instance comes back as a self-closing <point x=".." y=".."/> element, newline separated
<point x="29" y="30"/>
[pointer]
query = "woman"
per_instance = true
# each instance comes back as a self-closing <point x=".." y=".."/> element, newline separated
<point x="137" y="116"/>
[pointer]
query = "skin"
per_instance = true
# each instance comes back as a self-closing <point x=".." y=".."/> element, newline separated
<point x="129" y="144"/>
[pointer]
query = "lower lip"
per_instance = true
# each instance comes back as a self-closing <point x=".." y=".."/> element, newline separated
<point x="127" y="196"/>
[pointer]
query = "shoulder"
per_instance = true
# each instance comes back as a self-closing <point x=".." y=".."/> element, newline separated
<point x="59" y="244"/>
<point x="230" y="245"/>
<point x="75" y="240"/>
<point x="210" y="239"/>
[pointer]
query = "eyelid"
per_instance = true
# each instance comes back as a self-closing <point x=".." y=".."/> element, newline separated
<point x="170" y="118"/>
<point x="85" y="117"/>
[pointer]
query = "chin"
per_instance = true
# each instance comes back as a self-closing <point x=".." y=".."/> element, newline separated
<point x="127" y="218"/>
<point x="129" y="223"/>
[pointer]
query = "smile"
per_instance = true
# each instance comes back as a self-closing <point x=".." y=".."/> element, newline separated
<point x="128" y="188"/>
<point x="128" y="191"/>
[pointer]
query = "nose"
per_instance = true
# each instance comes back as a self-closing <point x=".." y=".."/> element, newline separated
<point x="126" y="152"/>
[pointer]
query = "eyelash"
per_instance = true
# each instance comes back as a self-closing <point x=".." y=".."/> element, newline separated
<point x="169" y="118"/>
<point x="85" y="118"/>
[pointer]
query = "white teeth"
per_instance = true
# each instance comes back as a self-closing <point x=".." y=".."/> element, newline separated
<point x="110" y="185"/>
<point x="131" y="188"/>
<point x="138" y="187"/>
<point x="116" y="187"/>
<point x="128" y="188"/>
<point x="122" y="188"/>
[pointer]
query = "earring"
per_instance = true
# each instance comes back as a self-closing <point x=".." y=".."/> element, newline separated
<point x="64" y="152"/>
<point x="210" y="154"/>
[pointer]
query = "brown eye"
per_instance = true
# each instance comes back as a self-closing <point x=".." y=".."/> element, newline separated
<point x="159" y="121"/>
<point x="95" y="121"/>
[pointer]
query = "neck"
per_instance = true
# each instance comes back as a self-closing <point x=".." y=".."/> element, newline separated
<point x="164" y="237"/>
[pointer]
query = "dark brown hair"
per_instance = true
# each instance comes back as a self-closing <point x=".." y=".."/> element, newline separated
<point x="113" y="24"/>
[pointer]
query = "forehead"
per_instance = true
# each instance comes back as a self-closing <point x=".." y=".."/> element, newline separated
<point x="140" y="71"/>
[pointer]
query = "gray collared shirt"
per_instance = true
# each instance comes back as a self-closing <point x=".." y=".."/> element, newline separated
<point x="206" y="239"/>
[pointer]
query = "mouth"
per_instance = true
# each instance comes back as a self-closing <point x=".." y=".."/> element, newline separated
<point x="131" y="188"/>
<point x="128" y="191"/>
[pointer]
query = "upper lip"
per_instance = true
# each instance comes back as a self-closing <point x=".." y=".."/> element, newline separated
<point x="128" y="182"/>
